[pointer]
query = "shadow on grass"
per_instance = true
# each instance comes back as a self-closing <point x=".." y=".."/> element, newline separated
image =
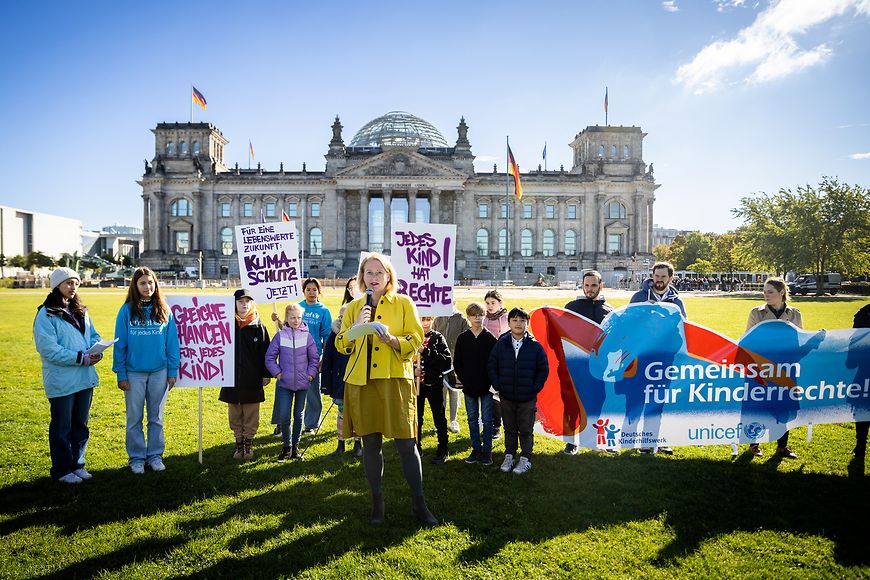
<point x="308" y="514"/>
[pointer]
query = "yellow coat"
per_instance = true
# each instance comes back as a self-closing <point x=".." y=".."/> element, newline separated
<point x="399" y="313"/>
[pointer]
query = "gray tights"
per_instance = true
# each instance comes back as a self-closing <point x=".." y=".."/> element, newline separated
<point x="373" y="462"/>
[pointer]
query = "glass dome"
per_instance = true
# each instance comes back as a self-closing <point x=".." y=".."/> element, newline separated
<point x="398" y="129"/>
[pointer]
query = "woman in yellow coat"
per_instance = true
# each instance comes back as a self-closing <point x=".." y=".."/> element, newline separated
<point x="379" y="394"/>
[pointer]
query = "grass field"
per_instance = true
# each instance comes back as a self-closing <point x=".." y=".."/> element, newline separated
<point x="695" y="514"/>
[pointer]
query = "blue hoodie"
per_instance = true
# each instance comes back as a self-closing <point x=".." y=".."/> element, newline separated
<point x="319" y="321"/>
<point x="645" y="294"/>
<point x="145" y="346"/>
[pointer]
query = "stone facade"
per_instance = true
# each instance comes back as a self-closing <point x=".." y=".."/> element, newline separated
<point x="598" y="214"/>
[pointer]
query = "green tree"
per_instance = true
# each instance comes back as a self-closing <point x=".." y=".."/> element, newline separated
<point x="701" y="267"/>
<point x="38" y="260"/>
<point x="17" y="261"/>
<point x="662" y="253"/>
<point x="688" y="249"/>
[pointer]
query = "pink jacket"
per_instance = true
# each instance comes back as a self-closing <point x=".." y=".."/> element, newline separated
<point x="293" y="355"/>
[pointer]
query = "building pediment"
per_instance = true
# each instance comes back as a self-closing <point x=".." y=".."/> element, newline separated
<point x="400" y="162"/>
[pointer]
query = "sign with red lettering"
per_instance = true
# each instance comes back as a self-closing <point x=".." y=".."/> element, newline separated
<point x="423" y="255"/>
<point x="205" y="336"/>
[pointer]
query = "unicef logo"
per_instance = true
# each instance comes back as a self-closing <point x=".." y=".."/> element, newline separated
<point x="755" y="430"/>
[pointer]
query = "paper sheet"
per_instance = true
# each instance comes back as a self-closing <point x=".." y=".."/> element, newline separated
<point x="367" y="328"/>
<point x="101" y="346"/>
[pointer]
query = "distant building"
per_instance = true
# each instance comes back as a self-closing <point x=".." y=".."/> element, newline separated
<point x="116" y="241"/>
<point x="23" y="231"/>
<point x="664" y="236"/>
<point x="399" y="168"/>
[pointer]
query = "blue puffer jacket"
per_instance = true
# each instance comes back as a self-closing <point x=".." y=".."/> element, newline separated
<point x="61" y="345"/>
<point x="519" y="377"/>
<point x="645" y="294"/>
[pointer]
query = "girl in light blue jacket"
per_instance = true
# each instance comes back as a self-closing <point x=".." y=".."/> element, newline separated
<point x="63" y="332"/>
<point x="146" y="360"/>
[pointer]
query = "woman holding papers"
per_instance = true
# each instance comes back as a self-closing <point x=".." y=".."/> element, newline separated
<point x="146" y="360"/>
<point x="381" y="332"/>
<point x="63" y="333"/>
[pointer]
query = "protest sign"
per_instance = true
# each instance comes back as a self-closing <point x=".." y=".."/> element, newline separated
<point x="646" y="377"/>
<point x="205" y="336"/>
<point x="423" y="256"/>
<point x="269" y="264"/>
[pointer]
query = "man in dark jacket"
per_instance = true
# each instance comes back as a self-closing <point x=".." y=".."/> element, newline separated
<point x="592" y="306"/>
<point x="518" y="369"/>
<point x="659" y="289"/>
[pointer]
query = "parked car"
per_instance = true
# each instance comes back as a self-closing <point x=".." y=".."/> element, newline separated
<point x="806" y="284"/>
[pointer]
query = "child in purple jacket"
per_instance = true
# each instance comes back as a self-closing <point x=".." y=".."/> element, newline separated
<point x="292" y="358"/>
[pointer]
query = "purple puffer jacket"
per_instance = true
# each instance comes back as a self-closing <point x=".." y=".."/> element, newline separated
<point x="293" y="354"/>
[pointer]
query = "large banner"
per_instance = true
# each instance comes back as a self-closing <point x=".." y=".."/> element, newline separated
<point x="647" y="378"/>
<point x="423" y="255"/>
<point x="269" y="261"/>
<point x="205" y="334"/>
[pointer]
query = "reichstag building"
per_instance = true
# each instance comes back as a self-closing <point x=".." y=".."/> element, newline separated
<point x="399" y="168"/>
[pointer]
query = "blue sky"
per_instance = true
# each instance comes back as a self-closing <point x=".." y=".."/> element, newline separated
<point x="736" y="96"/>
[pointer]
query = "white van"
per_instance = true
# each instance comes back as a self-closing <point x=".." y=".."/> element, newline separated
<point x="806" y="284"/>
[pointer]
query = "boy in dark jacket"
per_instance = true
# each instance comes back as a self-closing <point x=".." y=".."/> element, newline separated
<point x="518" y="369"/>
<point x="435" y="360"/>
<point x="333" y="365"/>
<point x="252" y="340"/>
<point x="470" y="358"/>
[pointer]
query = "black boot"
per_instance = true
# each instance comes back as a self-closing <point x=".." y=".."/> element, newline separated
<point x="424" y="516"/>
<point x="357" y="449"/>
<point x="378" y="509"/>
<point x="240" y="448"/>
<point x="285" y="454"/>
<point x="338" y="450"/>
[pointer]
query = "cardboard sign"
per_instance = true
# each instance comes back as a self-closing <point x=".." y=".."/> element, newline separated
<point x="269" y="261"/>
<point x="424" y="258"/>
<point x="206" y="331"/>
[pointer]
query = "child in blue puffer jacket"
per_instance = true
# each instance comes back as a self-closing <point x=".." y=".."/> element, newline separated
<point x="292" y="358"/>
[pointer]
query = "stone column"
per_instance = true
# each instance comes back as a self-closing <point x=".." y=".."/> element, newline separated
<point x="515" y="237"/>
<point x="561" y="228"/>
<point x="493" y="224"/>
<point x="364" y="220"/>
<point x="196" y="241"/>
<point x="340" y="220"/>
<point x="158" y="219"/>
<point x="649" y="223"/>
<point x="146" y="225"/>
<point x="303" y="229"/>
<point x="599" y="222"/>
<point x="412" y="206"/>
<point x="638" y="233"/>
<point x="435" y="206"/>
<point x="388" y="196"/>
<point x="538" y="209"/>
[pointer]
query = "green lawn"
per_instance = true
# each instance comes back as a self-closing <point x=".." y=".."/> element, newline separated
<point x="694" y="514"/>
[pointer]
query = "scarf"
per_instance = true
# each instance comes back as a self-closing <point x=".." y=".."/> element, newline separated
<point x="243" y="322"/>
<point x="496" y="315"/>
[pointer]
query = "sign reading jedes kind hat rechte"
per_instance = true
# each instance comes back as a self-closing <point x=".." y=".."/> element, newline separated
<point x="269" y="264"/>
<point x="424" y="258"/>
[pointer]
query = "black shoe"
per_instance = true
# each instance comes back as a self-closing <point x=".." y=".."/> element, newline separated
<point x="294" y="453"/>
<point x="424" y="516"/>
<point x="339" y="451"/>
<point x="284" y="455"/>
<point x="666" y="450"/>
<point x="570" y="449"/>
<point x="357" y="449"/>
<point x="472" y="457"/>
<point x="378" y="509"/>
<point x="277" y="431"/>
<point x="485" y="458"/>
<point x="440" y="457"/>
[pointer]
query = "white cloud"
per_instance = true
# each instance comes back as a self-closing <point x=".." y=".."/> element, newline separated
<point x="723" y="5"/>
<point x="670" y="6"/>
<point x="767" y="49"/>
<point x="860" y="156"/>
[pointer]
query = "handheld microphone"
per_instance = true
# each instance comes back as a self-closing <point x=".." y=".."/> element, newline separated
<point x="369" y="293"/>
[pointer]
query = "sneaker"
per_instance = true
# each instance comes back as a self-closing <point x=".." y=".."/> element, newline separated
<point x="523" y="465"/>
<point x="665" y="450"/>
<point x="755" y="450"/>
<point x="240" y="449"/>
<point x="70" y="478"/>
<point x="247" y="450"/>
<point x="440" y="457"/>
<point x="646" y="450"/>
<point x="496" y="434"/>
<point x="611" y="451"/>
<point x="357" y="449"/>
<point x="472" y="457"/>
<point x="277" y="431"/>
<point x="137" y="468"/>
<point x="485" y="458"/>
<point x="508" y="463"/>
<point x="454" y="426"/>
<point x="284" y="455"/>
<point x="785" y="452"/>
<point x="82" y="473"/>
<point x="570" y="449"/>
<point x="157" y="464"/>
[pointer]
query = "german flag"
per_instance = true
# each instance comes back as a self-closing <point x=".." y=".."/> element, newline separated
<point x="284" y="216"/>
<point x="514" y="169"/>
<point x="197" y="97"/>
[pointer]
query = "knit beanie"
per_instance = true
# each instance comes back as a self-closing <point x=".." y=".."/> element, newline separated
<point x="60" y="275"/>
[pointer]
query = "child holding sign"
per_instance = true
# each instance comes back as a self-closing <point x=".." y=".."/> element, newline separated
<point x="292" y="358"/>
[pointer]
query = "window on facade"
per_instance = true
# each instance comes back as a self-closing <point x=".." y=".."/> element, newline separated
<point x="376" y="224"/>
<point x="505" y="209"/>
<point x="626" y="151"/>
<point x="550" y="211"/>
<point x="527" y="211"/>
<point x="225" y="209"/>
<point x="196" y="147"/>
<point x="315" y="242"/>
<point x="527" y="242"/>
<point x="570" y="243"/>
<point x="227" y="241"/>
<point x="399" y="210"/>
<point x="170" y="148"/>
<point x="614" y="243"/>
<point x="572" y="212"/>
<point x="248" y="209"/>
<point x="482" y="242"/>
<point x="528" y="269"/>
<point x="549" y="246"/>
<point x="270" y="209"/>
<point x="182" y="242"/>
<point x="613" y="150"/>
<point x="293" y="209"/>
<point x="551" y="270"/>
<point x="315" y="209"/>
<point x="503" y="242"/>
<point x="601" y="150"/>
<point x="181" y="208"/>
<point x="483" y="210"/>
<point x="184" y="148"/>
<point x="422" y="210"/>
<point x="615" y="210"/>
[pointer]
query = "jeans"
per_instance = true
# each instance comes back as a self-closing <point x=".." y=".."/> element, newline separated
<point x="288" y="400"/>
<point x="68" y="431"/>
<point x="146" y="392"/>
<point x="313" y="404"/>
<point x="477" y="407"/>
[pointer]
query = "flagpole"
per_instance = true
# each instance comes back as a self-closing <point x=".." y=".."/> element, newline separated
<point x="507" y="211"/>
<point x="545" y="155"/>
<point x="605" y="106"/>
<point x="190" y="98"/>
<point x="249" y="153"/>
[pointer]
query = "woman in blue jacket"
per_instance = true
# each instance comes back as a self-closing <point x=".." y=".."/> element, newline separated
<point x="63" y="333"/>
<point x="146" y="361"/>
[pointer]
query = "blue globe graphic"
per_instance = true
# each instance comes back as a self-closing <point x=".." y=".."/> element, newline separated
<point x="755" y="430"/>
